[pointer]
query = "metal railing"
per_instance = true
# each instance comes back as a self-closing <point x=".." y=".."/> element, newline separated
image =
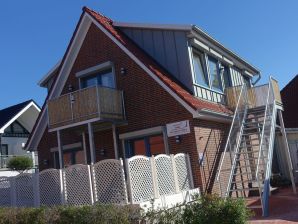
<point x="234" y="137"/>
<point x="95" y="102"/>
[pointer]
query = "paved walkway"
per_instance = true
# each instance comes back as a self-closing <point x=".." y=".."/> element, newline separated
<point x="283" y="208"/>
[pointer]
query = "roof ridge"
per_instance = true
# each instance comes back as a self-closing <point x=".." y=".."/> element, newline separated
<point x="18" y="104"/>
<point x="87" y="9"/>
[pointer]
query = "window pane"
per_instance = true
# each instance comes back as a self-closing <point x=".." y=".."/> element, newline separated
<point x="226" y="76"/>
<point x="139" y="147"/>
<point x="200" y="76"/>
<point x="107" y="79"/>
<point x="246" y="80"/>
<point x="156" y="145"/>
<point x="214" y="75"/>
<point x="17" y="128"/>
<point x="89" y="81"/>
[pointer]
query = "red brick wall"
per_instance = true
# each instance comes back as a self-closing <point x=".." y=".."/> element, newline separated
<point x="289" y="99"/>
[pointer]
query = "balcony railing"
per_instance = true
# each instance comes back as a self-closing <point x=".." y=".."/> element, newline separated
<point x="98" y="103"/>
<point x="256" y="96"/>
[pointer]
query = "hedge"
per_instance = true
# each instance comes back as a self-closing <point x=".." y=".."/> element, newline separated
<point x="206" y="209"/>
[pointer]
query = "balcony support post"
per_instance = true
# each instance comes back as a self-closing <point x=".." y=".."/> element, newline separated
<point x="84" y="146"/>
<point x="115" y="141"/>
<point x="60" y="150"/>
<point x="91" y="143"/>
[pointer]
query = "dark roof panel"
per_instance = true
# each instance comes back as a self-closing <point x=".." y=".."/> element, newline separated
<point x="10" y="112"/>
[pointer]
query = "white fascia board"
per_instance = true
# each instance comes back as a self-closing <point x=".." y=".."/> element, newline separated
<point x="200" y="45"/>
<point x="47" y="76"/>
<point x="215" y="53"/>
<point x="18" y="115"/>
<point x="200" y="34"/>
<point x="248" y="73"/>
<point x="95" y="68"/>
<point x="141" y="64"/>
<point x="61" y="79"/>
<point x="185" y="27"/>
<point x="209" y="115"/>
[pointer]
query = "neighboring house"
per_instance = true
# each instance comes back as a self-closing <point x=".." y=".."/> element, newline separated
<point x="16" y="123"/>
<point x="289" y="97"/>
<point x="125" y="89"/>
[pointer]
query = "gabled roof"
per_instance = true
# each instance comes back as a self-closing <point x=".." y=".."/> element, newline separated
<point x="166" y="78"/>
<point x="49" y="74"/>
<point x="191" y="103"/>
<point x="10" y="114"/>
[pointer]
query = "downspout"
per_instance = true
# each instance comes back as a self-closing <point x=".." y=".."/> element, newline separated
<point x="257" y="80"/>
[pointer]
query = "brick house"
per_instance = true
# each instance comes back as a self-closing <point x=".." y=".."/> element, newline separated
<point x="119" y="85"/>
<point x="288" y="94"/>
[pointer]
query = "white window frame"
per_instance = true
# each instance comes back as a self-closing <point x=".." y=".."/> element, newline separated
<point x="96" y="69"/>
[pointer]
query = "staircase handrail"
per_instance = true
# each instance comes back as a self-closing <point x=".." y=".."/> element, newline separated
<point x="228" y="139"/>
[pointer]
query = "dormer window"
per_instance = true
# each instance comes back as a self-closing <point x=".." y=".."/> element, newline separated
<point x="201" y="77"/>
<point x="215" y="79"/>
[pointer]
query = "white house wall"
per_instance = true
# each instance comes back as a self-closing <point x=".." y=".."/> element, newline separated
<point x="14" y="145"/>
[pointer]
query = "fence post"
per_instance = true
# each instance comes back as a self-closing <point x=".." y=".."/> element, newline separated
<point x="36" y="189"/>
<point x="13" y="192"/>
<point x="176" y="181"/>
<point x="91" y="183"/>
<point x="124" y="184"/>
<point x="128" y="183"/>
<point x="189" y="171"/>
<point x="62" y="187"/>
<point x="154" y="177"/>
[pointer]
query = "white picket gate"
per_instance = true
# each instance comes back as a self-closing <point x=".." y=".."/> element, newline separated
<point x="147" y="178"/>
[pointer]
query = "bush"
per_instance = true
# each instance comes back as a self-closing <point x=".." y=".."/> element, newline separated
<point x="206" y="209"/>
<point x="20" y="163"/>
<point x="106" y="214"/>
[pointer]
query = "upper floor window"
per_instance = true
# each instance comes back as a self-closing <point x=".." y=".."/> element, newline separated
<point x="201" y="77"/>
<point x="102" y="78"/>
<point x="226" y="76"/>
<point x="215" y="79"/>
<point x="246" y="81"/>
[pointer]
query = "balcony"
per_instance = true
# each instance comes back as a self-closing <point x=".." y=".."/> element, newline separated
<point x="256" y="96"/>
<point x="91" y="104"/>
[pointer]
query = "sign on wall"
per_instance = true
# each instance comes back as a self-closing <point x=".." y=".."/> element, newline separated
<point x="178" y="128"/>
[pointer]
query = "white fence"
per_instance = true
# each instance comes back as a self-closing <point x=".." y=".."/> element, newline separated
<point x="104" y="182"/>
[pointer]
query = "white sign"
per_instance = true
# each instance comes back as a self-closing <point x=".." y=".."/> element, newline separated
<point x="178" y="128"/>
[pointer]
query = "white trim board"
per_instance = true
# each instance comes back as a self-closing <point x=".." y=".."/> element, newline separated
<point x="65" y="70"/>
<point x="47" y="76"/>
<point x="18" y="115"/>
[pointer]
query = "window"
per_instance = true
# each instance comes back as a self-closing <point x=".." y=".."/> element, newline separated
<point x="103" y="78"/>
<point x="147" y="146"/>
<point x="15" y="130"/>
<point x="4" y="155"/>
<point x="246" y="81"/>
<point x="226" y="76"/>
<point x="215" y="79"/>
<point x="201" y="77"/>
<point x="70" y="157"/>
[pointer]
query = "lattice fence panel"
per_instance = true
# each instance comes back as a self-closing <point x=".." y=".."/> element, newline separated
<point x="183" y="174"/>
<point x="140" y="179"/>
<point x="5" y="191"/>
<point x="110" y="181"/>
<point x="24" y="190"/>
<point x="77" y="185"/>
<point x="165" y="174"/>
<point x="50" y="187"/>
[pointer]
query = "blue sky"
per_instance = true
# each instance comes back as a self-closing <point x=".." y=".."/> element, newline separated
<point x="34" y="34"/>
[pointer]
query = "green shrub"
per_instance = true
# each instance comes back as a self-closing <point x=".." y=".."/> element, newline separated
<point x="103" y="214"/>
<point x="20" y="163"/>
<point x="209" y="209"/>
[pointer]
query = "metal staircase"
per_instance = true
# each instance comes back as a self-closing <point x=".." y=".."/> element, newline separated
<point x="245" y="166"/>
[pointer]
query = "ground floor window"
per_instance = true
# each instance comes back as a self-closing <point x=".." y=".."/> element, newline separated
<point x="70" y="157"/>
<point x="4" y="155"/>
<point x="147" y="146"/>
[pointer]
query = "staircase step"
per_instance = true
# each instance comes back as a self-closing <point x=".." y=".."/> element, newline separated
<point x="245" y="189"/>
<point x="241" y="181"/>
